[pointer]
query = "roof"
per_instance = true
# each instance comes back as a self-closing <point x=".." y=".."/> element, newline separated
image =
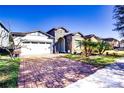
<point x="109" y="39"/>
<point x="18" y="33"/>
<point x="53" y="29"/>
<point x="72" y="34"/>
<point x="4" y="27"/>
<point x="25" y="33"/>
<point x="92" y="35"/>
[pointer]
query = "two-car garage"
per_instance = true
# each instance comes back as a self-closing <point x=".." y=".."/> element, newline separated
<point x="35" y="43"/>
<point x="36" y="48"/>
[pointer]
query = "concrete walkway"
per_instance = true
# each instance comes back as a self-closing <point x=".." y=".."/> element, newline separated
<point x="111" y="76"/>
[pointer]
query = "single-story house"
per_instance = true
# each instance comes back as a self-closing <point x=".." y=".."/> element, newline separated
<point x="66" y="42"/>
<point x="112" y="41"/>
<point x="33" y="43"/>
<point x="56" y="40"/>
<point x="122" y="43"/>
<point x="93" y="38"/>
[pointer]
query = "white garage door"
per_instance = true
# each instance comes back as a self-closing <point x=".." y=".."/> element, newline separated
<point x="36" y="48"/>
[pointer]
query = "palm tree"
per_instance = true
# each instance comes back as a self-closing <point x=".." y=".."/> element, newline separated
<point x="88" y="45"/>
<point x="92" y="47"/>
<point x="103" y="46"/>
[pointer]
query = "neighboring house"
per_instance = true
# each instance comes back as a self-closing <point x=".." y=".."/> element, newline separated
<point x="93" y="38"/>
<point x="122" y="43"/>
<point x="4" y="36"/>
<point x="65" y="42"/>
<point x="112" y="41"/>
<point x="34" y="43"/>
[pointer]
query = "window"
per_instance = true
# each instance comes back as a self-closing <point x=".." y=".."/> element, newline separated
<point x="48" y="43"/>
<point x="41" y="42"/>
<point x="26" y="42"/>
<point x="78" y="43"/>
<point x="34" y="42"/>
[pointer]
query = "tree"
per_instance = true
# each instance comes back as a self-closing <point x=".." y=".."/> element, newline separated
<point x="88" y="45"/>
<point x="13" y="47"/>
<point x="6" y="45"/>
<point x="119" y="19"/>
<point x="102" y="47"/>
<point x="92" y="46"/>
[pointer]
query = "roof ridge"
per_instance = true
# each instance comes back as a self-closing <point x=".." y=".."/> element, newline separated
<point x="4" y="26"/>
<point x="24" y="33"/>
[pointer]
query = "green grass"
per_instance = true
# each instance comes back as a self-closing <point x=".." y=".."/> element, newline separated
<point x="9" y="69"/>
<point x="100" y="61"/>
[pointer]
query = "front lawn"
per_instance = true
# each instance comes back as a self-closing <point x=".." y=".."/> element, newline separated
<point x="9" y="72"/>
<point x="117" y="52"/>
<point x="93" y="60"/>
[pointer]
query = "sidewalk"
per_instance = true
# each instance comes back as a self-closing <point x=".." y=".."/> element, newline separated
<point x="111" y="76"/>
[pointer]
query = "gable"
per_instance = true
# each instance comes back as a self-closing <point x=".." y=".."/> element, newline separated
<point x="39" y="34"/>
<point x="77" y="34"/>
<point x="61" y="31"/>
<point x="36" y="34"/>
<point x="58" y="30"/>
<point x="94" y="39"/>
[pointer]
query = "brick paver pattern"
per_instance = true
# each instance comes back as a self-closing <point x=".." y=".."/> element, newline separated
<point x="51" y="72"/>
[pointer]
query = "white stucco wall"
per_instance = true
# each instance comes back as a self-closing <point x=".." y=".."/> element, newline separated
<point x="41" y="37"/>
<point x="37" y="44"/>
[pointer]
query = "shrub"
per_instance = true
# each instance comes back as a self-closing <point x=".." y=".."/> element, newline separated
<point x="15" y="60"/>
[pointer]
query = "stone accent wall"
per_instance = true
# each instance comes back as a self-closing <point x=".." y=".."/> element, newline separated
<point x="59" y="33"/>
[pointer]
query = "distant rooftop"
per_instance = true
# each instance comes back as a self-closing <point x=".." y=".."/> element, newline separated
<point x="109" y="39"/>
<point x="92" y="35"/>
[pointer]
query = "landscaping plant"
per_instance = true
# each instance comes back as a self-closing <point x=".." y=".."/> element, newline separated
<point x="102" y="47"/>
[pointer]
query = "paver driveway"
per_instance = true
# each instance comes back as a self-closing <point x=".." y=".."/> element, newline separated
<point x="52" y="72"/>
